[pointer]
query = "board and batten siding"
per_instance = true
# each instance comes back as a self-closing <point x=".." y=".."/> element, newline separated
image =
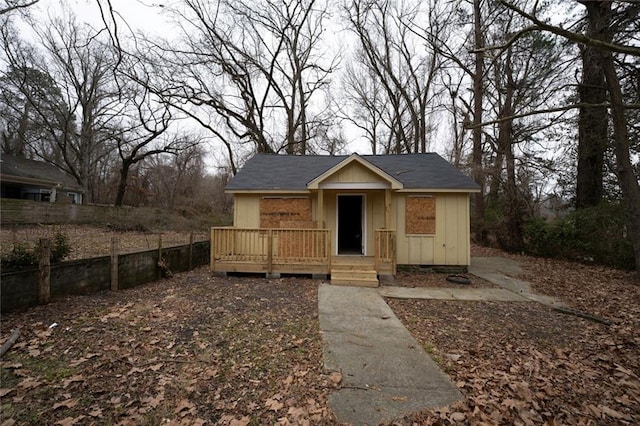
<point x="246" y="210"/>
<point x="354" y="173"/>
<point x="449" y="245"/>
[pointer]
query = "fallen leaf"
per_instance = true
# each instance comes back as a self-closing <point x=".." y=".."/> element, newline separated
<point x="273" y="404"/>
<point x="72" y="379"/>
<point x="336" y="377"/>
<point x="458" y="416"/>
<point x="68" y="403"/>
<point x="29" y="383"/>
<point x="6" y="391"/>
<point x="69" y="421"/>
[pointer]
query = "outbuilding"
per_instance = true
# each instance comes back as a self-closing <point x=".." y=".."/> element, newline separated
<point x="354" y="217"/>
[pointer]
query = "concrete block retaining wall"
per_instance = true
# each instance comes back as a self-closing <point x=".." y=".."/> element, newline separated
<point x="19" y="290"/>
<point x="21" y="212"/>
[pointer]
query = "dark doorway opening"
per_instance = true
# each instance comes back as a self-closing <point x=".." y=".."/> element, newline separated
<point x="350" y="224"/>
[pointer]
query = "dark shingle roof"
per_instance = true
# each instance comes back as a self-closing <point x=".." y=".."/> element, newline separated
<point x="19" y="167"/>
<point x="288" y="172"/>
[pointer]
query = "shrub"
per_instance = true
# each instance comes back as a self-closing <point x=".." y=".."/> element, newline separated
<point x="596" y="234"/>
<point x="61" y="247"/>
<point x="23" y="256"/>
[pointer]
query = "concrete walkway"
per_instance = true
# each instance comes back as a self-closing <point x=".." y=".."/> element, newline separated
<point x="499" y="294"/>
<point x="385" y="372"/>
<point x="497" y="270"/>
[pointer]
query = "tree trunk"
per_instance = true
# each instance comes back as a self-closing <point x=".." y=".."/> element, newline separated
<point x="599" y="16"/>
<point x="478" y="174"/>
<point x="626" y="176"/>
<point x="122" y="186"/>
<point x="513" y="213"/>
<point x="592" y="122"/>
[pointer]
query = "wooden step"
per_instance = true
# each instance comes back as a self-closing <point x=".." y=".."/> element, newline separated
<point x="354" y="277"/>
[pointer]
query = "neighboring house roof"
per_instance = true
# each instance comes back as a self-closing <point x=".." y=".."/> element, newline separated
<point x="294" y="173"/>
<point x="31" y="172"/>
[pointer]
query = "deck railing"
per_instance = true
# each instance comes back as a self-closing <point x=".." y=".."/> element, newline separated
<point x="288" y="250"/>
<point x="269" y="250"/>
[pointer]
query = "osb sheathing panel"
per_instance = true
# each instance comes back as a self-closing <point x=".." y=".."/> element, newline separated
<point x="290" y="244"/>
<point x="298" y="224"/>
<point x="276" y="210"/>
<point x="421" y="215"/>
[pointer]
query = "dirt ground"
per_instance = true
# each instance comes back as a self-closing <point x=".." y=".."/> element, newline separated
<point x="93" y="241"/>
<point x="192" y="350"/>
<point x="525" y="363"/>
<point x="198" y="349"/>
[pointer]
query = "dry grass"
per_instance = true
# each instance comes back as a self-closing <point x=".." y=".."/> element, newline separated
<point x="92" y="241"/>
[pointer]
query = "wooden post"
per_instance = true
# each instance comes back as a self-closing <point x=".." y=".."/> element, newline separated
<point x="320" y="206"/>
<point x="191" y="250"/>
<point x="270" y="251"/>
<point x="114" y="263"/>
<point x="159" y="255"/>
<point x="387" y="209"/>
<point x="213" y="238"/>
<point x="44" y="276"/>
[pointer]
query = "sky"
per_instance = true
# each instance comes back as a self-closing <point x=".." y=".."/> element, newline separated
<point x="154" y="19"/>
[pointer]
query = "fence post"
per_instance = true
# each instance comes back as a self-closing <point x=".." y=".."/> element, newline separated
<point x="159" y="255"/>
<point x="114" y="263"/>
<point x="191" y="250"/>
<point x="44" y="275"/>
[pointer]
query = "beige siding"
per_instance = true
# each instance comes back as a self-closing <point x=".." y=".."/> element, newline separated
<point x="246" y="211"/>
<point x="450" y="243"/>
<point x="354" y="172"/>
<point x="448" y="246"/>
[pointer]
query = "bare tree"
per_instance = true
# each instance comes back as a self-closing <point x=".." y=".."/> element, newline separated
<point x="175" y="180"/>
<point x="526" y="76"/>
<point x="599" y="13"/>
<point x="79" y="65"/>
<point x="250" y="73"/>
<point x="401" y="64"/>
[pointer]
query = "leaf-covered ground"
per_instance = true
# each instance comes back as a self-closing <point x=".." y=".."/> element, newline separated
<point x="524" y="363"/>
<point x="192" y="350"/>
<point x="198" y="349"/>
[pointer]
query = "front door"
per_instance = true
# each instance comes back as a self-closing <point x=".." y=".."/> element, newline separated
<point x="350" y="229"/>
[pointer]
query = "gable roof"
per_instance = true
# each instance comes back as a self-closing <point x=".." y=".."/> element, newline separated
<point x="355" y="158"/>
<point x="32" y="172"/>
<point x="268" y="172"/>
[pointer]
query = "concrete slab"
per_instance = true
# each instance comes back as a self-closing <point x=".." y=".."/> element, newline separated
<point x="386" y="373"/>
<point x="499" y="271"/>
<point x="477" y="294"/>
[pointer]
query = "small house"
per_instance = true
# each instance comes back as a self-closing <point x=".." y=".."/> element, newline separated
<point x="354" y="217"/>
<point x="26" y="179"/>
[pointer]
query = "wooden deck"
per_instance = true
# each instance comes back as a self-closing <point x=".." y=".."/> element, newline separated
<point x="293" y="251"/>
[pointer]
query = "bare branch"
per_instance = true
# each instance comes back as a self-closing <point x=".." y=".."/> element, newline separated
<point x="547" y="111"/>
<point x="16" y="6"/>
<point x="573" y="36"/>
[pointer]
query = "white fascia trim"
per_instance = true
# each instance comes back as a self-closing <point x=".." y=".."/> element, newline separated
<point x="274" y="192"/>
<point x="418" y="190"/>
